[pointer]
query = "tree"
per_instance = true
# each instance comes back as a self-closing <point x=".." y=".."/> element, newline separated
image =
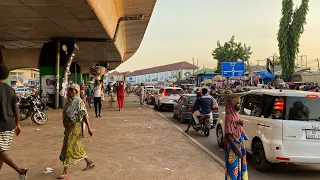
<point x="289" y="33"/>
<point x="231" y="51"/>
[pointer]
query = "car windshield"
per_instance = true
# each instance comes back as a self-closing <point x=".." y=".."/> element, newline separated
<point x="192" y="99"/>
<point x="174" y="91"/>
<point x="302" y="108"/>
<point x="155" y="91"/>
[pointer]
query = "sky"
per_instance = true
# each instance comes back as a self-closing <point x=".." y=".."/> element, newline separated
<point x="180" y="30"/>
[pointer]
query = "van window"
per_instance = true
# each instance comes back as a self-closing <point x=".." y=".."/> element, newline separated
<point x="302" y="108"/>
<point x="259" y="106"/>
<point x="251" y="105"/>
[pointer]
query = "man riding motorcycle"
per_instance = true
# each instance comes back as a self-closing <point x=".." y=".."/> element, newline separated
<point x="202" y="106"/>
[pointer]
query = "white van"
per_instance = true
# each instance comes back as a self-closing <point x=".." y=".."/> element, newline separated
<point x="282" y="125"/>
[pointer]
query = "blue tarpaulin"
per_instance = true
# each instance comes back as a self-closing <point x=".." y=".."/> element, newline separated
<point x="266" y="75"/>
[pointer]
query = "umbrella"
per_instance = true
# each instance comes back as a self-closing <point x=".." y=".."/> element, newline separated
<point x="266" y="75"/>
<point x="218" y="78"/>
<point x="207" y="81"/>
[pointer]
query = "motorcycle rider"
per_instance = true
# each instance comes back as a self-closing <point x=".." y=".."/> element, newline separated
<point x="202" y="106"/>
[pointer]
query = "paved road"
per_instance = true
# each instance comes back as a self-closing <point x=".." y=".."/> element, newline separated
<point x="279" y="172"/>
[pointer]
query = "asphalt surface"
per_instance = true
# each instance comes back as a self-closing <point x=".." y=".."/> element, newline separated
<point x="278" y="172"/>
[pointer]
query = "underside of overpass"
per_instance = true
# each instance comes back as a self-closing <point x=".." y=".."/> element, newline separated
<point x="106" y="31"/>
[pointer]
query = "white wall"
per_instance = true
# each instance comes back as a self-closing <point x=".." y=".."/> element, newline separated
<point x="160" y="76"/>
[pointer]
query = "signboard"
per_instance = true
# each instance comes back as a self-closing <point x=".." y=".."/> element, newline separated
<point x="232" y="69"/>
<point x="48" y="84"/>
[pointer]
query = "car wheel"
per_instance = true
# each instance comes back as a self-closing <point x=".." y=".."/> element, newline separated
<point x="259" y="158"/>
<point x="220" y="136"/>
<point x="182" y="120"/>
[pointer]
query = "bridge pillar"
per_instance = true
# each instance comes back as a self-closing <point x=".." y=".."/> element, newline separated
<point x="47" y="68"/>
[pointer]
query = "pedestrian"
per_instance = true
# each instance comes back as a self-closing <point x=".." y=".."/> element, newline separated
<point x="89" y="95"/>
<point x="185" y="91"/>
<point x="141" y="94"/>
<point x="109" y="89"/>
<point x="9" y="122"/>
<point x="97" y="93"/>
<point x="235" y="152"/>
<point x="83" y="94"/>
<point x="74" y="117"/>
<point x="127" y="90"/>
<point x="119" y="86"/>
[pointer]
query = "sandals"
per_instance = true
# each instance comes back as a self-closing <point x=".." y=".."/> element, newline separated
<point x="90" y="166"/>
<point x="24" y="176"/>
<point x="63" y="176"/>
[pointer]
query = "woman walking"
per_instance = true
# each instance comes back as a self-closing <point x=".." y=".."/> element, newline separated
<point x="97" y="94"/>
<point x="141" y="94"/>
<point x="120" y="93"/>
<point x="74" y="115"/>
<point x="235" y="153"/>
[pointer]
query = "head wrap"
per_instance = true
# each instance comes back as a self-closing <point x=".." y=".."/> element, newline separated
<point x="75" y="108"/>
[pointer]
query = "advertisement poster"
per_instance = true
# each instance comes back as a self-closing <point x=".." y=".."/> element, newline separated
<point x="48" y="84"/>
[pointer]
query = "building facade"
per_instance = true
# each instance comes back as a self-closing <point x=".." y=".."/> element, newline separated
<point x="165" y="73"/>
<point x="28" y="77"/>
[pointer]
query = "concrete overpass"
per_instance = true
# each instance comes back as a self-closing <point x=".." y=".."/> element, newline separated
<point x="106" y="31"/>
<point x="61" y="35"/>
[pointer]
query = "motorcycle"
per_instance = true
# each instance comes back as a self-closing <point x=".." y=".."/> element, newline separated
<point x="204" y="124"/>
<point x="29" y="108"/>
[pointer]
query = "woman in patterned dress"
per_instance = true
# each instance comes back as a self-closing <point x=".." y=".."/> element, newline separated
<point x="74" y="115"/>
<point x="235" y="153"/>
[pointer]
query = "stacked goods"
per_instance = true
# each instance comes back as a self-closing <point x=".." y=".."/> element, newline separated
<point x="97" y="71"/>
<point x="233" y="93"/>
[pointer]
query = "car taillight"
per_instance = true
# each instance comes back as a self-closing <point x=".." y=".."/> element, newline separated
<point x="152" y="95"/>
<point x="312" y="96"/>
<point x="188" y="107"/>
<point x="165" y="94"/>
<point x="215" y="108"/>
<point x="278" y="108"/>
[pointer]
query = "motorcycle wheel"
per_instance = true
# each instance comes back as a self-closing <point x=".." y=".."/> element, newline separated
<point x="206" y="131"/>
<point x="39" y="118"/>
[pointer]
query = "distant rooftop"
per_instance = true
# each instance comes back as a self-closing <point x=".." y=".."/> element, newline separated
<point x="168" y="67"/>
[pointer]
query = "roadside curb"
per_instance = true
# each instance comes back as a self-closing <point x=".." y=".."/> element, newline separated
<point x="212" y="156"/>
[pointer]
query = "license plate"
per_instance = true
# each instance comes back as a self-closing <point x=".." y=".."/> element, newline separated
<point x="312" y="134"/>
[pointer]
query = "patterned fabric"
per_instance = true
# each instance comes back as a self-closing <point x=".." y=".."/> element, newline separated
<point x="6" y="138"/>
<point x="72" y="150"/>
<point x="236" y="168"/>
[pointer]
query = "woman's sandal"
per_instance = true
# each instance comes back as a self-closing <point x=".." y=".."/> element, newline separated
<point x="24" y="176"/>
<point x="62" y="176"/>
<point x="90" y="166"/>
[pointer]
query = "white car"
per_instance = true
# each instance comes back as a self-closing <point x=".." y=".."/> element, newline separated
<point x="282" y="126"/>
<point x="166" y="97"/>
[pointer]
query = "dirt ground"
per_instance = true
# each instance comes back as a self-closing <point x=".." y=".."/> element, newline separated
<point x="135" y="144"/>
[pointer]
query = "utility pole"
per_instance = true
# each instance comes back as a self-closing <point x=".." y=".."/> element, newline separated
<point x="197" y="65"/>
<point x="259" y="62"/>
<point x="247" y="59"/>
<point x="193" y="65"/>
<point x="318" y="64"/>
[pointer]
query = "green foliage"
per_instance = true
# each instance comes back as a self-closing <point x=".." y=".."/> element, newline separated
<point x="289" y="33"/>
<point x="231" y="51"/>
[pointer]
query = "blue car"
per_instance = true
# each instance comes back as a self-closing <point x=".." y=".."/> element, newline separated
<point x="183" y="108"/>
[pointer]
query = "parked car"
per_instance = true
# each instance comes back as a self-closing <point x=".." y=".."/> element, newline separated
<point x="151" y="96"/>
<point x="282" y="126"/>
<point x="166" y="97"/>
<point x="147" y="90"/>
<point x="183" y="109"/>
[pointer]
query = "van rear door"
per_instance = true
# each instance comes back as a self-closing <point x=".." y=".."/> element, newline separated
<point x="301" y="127"/>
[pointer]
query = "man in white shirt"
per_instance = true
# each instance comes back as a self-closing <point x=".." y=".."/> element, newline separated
<point x="97" y="93"/>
